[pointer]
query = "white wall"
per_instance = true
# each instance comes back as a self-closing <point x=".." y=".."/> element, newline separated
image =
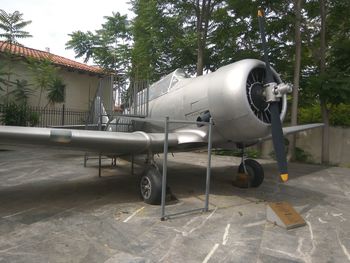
<point x="311" y="142"/>
<point x="80" y="88"/>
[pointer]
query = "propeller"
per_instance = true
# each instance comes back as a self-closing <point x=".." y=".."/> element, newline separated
<point x="274" y="93"/>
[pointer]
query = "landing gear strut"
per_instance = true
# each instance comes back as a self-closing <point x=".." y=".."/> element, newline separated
<point x="253" y="170"/>
<point x="250" y="173"/>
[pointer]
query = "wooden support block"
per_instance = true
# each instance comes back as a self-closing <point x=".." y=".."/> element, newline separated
<point x="242" y="181"/>
<point x="284" y="215"/>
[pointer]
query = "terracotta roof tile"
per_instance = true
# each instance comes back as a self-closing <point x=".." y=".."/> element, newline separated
<point x="57" y="60"/>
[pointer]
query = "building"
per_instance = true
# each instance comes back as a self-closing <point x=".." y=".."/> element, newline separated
<point x="81" y="81"/>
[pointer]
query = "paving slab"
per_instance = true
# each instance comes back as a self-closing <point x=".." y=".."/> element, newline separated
<point x="53" y="209"/>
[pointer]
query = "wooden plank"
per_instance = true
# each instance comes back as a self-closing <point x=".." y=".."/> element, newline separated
<point x="284" y="215"/>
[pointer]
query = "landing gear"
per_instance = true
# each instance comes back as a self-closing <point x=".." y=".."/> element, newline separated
<point x="253" y="171"/>
<point x="151" y="186"/>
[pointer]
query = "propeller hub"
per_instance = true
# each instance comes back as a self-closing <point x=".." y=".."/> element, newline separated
<point x="274" y="91"/>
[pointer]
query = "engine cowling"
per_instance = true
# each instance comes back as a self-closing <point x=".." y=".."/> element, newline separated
<point x="237" y="102"/>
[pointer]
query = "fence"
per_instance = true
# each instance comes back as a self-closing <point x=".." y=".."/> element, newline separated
<point x="59" y="116"/>
<point x="55" y="116"/>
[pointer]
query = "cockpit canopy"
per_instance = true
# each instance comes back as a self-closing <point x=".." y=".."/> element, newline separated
<point x="164" y="85"/>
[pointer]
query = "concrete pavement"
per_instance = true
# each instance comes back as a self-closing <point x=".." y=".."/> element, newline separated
<point x="52" y="209"/>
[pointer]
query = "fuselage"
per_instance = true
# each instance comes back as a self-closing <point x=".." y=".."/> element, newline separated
<point x="228" y="96"/>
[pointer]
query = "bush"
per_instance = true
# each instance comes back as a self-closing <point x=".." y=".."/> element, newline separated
<point x="301" y="155"/>
<point x="18" y="115"/>
<point x="250" y="153"/>
<point x="339" y="115"/>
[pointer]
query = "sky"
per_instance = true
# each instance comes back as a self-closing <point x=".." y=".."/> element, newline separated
<point x="53" y="20"/>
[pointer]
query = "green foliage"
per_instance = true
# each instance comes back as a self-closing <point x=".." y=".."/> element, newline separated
<point x="148" y="32"/>
<point x="33" y="118"/>
<point x="15" y="110"/>
<point x="18" y="115"/>
<point x="249" y="152"/>
<point x="12" y="24"/>
<point x="302" y="156"/>
<point x="333" y="87"/>
<point x="44" y="74"/>
<point x="22" y="92"/>
<point x="5" y="74"/>
<point x="56" y="91"/>
<point x="340" y="115"/>
<point x="109" y="47"/>
<point x="311" y="114"/>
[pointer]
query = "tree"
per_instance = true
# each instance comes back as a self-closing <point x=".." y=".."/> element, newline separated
<point x="148" y="32"/>
<point x="324" y="110"/>
<point x="108" y="47"/>
<point x="297" y="67"/>
<point x="160" y="44"/>
<point x="6" y="72"/>
<point x="12" y="25"/>
<point x="56" y="91"/>
<point x="326" y="78"/>
<point x="4" y="75"/>
<point x="44" y="74"/>
<point x="15" y="110"/>
<point x="21" y="92"/>
<point x="203" y="12"/>
<point x="196" y="19"/>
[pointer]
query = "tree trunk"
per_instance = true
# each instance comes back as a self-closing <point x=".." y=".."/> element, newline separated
<point x="296" y="80"/>
<point x="203" y="13"/>
<point x="200" y="58"/>
<point x="324" y="110"/>
<point x="325" y="133"/>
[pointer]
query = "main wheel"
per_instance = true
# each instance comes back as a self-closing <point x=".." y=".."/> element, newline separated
<point x="151" y="186"/>
<point x="254" y="170"/>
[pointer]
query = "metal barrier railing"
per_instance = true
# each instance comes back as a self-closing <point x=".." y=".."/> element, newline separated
<point x="165" y="165"/>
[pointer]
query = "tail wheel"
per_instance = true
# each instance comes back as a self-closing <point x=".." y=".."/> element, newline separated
<point x="151" y="186"/>
<point x="254" y="170"/>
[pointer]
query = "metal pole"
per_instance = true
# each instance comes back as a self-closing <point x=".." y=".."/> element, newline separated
<point x="111" y="99"/>
<point x="165" y="163"/>
<point x="100" y="106"/>
<point x="135" y="99"/>
<point x="132" y="164"/>
<point x="147" y="105"/>
<point x="63" y="113"/>
<point x="99" y="165"/>
<point x="208" y="167"/>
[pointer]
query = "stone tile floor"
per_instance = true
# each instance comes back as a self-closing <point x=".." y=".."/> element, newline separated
<point x="52" y="209"/>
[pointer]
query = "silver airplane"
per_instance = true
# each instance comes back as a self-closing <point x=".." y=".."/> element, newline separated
<point x="246" y="101"/>
<point x="234" y="97"/>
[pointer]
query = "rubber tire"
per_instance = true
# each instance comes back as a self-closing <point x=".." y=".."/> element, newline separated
<point x="254" y="170"/>
<point x="153" y="176"/>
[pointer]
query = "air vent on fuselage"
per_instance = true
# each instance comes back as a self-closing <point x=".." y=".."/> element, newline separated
<point x="255" y="94"/>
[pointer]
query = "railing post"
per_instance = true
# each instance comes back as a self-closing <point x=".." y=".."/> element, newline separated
<point x="165" y="216"/>
<point x="165" y="163"/>
<point x="206" y="207"/>
<point x="63" y="113"/>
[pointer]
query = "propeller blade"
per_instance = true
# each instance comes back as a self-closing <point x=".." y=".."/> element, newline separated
<point x="278" y="141"/>
<point x="269" y="76"/>
<point x="276" y="125"/>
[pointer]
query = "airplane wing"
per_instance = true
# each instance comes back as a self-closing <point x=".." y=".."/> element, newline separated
<point x="294" y="129"/>
<point x="116" y="143"/>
